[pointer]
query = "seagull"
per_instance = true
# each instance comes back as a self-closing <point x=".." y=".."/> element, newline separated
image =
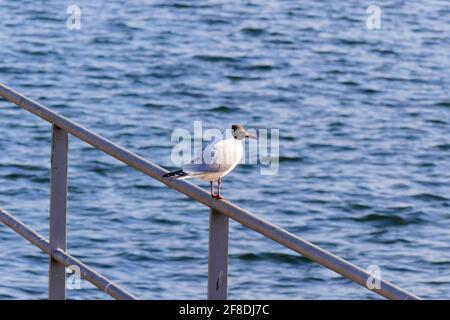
<point x="216" y="160"/>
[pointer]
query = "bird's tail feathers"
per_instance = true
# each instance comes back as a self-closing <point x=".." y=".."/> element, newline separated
<point x="179" y="174"/>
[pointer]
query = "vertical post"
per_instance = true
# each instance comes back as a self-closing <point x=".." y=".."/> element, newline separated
<point x="58" y="207"/>
<point x="217" y="256"/>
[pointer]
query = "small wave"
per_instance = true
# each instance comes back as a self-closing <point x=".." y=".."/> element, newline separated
<point x="14" y="176"/>
<point x="136" y="256"/>
<point x="274" y="192"/>
<point x="281" y="41"/>
<point x="438" y="282"/>
<point x="386" y="52"/>
<point x="103" y="168"/>
<point x="10" y="69"/>
<point x="443" y="147"/>
<point x="247" y="77"/>
<point x="214" y="58"/>
<point x="387" y="219"/>
<point x="236" y="78"/>
<point x="429" y="197"/>
<point x="272" y="256"/>
<point x="360" y="206"/>
<point x="185" y="5"/>
<point x="284" y="159"/>
<point x="182" y="258"/>
<point x="154" y="105"/>
<point x="436" y="121"/>
<point x="318" y="146"/>
<point x="193" y="94"/>
<point x="45" y="17"/>
<point x="222" y="109"/>
<point x="180" y="5"/>
<point x="333" y="147"/>
<point x="401" y="207"/>
<point x="350" y="42"/>
<point x="336" y="124"/>
<point x="350" y="83"/>
<point x="146" y="187"/>
<point x="336" y="71"/>
<point x="369" y="90"/>
<point x="445" y="104"/>
<point x="123" y="26"/>
<point x="38" y="53"/>
<point x="106" y="40"/>
<point x="288" y="138"/>
<point x="253" y="31"/>
<point x="216" y="21"/>
<point x="41" y="179"/>
<point x="390" y="241"/>
<point x="257" y="67"/>
<point x="164" y="221"/>
<point x="441" y="263"/>
<point x="25" y="167"/>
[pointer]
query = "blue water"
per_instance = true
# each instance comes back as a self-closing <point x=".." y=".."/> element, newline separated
<point x="364" y="119"/>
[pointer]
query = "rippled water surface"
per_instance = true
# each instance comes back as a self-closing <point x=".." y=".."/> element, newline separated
<point x="364" y="119"/>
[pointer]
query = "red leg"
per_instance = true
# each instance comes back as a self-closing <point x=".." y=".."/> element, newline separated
<point x="218" y="196"/>
<point x="211" y="188"/>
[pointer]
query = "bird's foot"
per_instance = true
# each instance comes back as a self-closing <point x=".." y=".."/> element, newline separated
<point x="216" y="196"/>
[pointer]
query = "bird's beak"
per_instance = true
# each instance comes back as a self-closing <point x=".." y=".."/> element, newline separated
<point x="250" y="136"/>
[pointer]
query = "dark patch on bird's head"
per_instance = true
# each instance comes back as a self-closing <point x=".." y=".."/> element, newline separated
<point x="236" y="127"/>
<point x="240" y="133"/>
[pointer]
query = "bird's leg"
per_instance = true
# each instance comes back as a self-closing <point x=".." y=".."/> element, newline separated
<point x="218" y="196"/>
<point x="211" y="188"/>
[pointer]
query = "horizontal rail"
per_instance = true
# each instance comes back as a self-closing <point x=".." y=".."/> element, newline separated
<point x="244" y="217"/>
<point x="64" y="258"/>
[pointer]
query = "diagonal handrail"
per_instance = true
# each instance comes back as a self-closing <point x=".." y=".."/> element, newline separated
<point x="244" y="217"/>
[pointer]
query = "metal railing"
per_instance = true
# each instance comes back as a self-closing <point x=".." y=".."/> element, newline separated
<point x="221" y="211"/>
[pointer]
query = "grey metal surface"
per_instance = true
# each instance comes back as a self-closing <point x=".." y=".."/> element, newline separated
<point x="58" y="208"/>
<point x="64" y="258"/>
<point x="246" y="218"/>
<point x="217" y="256"/>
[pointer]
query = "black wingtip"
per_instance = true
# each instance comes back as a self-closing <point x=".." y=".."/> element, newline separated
<point x="176" y="174"/>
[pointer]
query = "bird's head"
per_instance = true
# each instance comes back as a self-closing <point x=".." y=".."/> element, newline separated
<point x="240" y="133"/>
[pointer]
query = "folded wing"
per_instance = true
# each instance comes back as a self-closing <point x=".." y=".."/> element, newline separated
<point x="218" y="156"/>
